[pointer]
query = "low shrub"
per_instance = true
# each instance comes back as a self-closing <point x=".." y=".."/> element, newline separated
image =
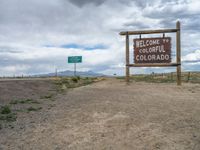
<point x="33" y="108"/>
<point x="74" y="79"/>
<point x="24" y="101"/>
<point x="5" y="109"/>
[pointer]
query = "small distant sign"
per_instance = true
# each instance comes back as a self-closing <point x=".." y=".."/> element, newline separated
<point x="75" y="59"/>
<point x="152" y="50"/>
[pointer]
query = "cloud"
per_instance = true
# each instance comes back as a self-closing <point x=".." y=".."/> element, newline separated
<point x="37" y="36"/>
<point x="46" y="59"/>
<point x="191" y="61"/>
<point x="192" y="57"/>
<point x="80" y="3"/>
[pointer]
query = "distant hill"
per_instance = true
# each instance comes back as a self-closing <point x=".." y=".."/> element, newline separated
<point x="71" y="73"/>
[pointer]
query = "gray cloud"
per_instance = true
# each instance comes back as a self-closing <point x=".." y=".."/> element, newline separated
<point x="27" y="25"/>
<point x="191" y="61"/>
<point x="136" y="24"/>
<point x="81" y="3"/>
<point x="7" y="49"/>
<point x="192" y="24"/>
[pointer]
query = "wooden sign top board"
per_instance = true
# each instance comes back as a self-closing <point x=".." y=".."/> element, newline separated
<point x="152" y="50"/>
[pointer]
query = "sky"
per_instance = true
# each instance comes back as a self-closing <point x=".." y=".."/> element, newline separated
<point x="37" y="36"/>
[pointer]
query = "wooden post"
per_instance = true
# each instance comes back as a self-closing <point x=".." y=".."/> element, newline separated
<point x="178" y="52"/>
<point x="127" y="58"/>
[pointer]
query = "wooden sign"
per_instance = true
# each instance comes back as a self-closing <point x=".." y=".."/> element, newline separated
<point x="152" y="50"/>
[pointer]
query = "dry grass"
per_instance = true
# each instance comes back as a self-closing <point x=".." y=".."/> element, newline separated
<point x="192" y="77"/>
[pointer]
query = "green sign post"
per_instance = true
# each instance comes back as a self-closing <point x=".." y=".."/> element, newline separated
<point x="74" y="60"/>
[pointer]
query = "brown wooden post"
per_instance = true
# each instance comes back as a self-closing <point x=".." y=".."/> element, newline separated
<point x="178" y="52"/>
<point x="127" y="58"/>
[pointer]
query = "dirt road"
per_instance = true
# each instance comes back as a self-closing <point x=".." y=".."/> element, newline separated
<point x="112" y="115"/>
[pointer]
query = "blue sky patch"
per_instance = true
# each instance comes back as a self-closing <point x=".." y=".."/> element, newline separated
<point x="79" y="46"/>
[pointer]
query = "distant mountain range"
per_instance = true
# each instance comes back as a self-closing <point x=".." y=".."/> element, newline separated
<point x="71" y="73"/>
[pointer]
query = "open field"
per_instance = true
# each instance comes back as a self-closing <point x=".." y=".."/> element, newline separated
<point x="186" y="77"/>
<point x="23" y="95"/>
<point x="52" y="114"/>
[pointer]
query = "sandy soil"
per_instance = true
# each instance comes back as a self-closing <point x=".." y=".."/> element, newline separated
<point x="107" y="115"/>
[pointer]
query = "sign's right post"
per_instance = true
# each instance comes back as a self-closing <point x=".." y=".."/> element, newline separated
<point x="178" y="53"/>
<point x="127" y="59"/>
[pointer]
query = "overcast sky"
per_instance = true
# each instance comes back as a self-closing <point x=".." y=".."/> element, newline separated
<point x="37" y="36"/>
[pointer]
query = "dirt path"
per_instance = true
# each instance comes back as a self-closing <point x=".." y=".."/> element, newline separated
<point x="112" y="115"/>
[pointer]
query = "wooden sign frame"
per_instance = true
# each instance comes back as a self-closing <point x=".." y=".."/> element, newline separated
<point x="178" y="51"/>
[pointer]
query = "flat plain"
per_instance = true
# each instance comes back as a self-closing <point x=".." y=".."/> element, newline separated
<point x="105" y="115"/>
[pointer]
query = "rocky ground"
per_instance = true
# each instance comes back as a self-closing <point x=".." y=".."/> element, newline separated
<point x="104" y="115"/>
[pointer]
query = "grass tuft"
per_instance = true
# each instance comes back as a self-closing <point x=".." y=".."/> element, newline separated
<point x="6" y="114"/>
<point x="5" y="109"/>
<point x="9" y="117"/>
<point x="64" y="83"/>
<point x="46" y="96"/>
<point x="192" y="77"/>
<point x="33" y="109"/>
<point x="74" y="79"/>
<point x="24" y="101"/>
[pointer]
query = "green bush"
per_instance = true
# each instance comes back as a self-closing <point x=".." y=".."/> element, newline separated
<point x="74" y="79"/>
<point x="6" y="114"/>
<point x="14" y="102"/>
<point x="64" y="81"/>
<point x="33" y="108"/>
<point x="78" y="77"/>
<point x="46" y="96"/>
<point x="24" y="101"/>
<point x="8" y="117"/>
<point x="5" y="109"/>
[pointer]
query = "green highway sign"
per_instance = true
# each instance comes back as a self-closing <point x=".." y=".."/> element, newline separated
<point x="75" y="59"/>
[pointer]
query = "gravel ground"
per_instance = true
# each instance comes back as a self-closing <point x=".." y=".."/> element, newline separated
<point x="105" y="115"/>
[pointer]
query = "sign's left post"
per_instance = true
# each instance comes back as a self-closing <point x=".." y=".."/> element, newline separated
<point x="127" y="59"/>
